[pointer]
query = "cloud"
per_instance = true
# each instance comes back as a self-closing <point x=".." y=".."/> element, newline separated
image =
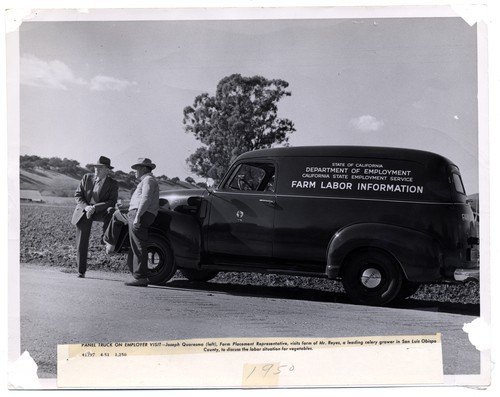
<point x="106" y="83"/>
<point x="367" y="123"/>
<point x="52" y="74"/>
<point x="57" y="75"/>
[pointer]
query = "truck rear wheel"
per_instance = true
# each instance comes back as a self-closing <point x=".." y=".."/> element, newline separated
<point x="161" y="265"/>
<point x="408" y="288"/>
<point x="371" y="277"/>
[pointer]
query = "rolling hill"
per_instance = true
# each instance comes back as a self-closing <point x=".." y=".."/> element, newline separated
<point x="55" y="184"/>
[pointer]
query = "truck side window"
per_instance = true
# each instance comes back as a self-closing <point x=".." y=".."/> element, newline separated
<point x="252" y="177"/>
<point x="269" y="186"/>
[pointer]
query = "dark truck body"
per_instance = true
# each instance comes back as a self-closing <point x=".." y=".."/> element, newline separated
<point x="382" y="220"/>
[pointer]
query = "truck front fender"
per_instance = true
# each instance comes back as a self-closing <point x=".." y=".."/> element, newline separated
<point x="184" y="234"/>
<point x="418" y="254"/>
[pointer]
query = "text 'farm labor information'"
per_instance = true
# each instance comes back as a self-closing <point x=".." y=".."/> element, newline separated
<point x="253" y="362"/>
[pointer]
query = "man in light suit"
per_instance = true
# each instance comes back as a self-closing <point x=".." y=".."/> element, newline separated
<point x="94" y="195"/>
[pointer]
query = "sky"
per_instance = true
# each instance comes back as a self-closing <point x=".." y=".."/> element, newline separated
<point x="118" y="88"/>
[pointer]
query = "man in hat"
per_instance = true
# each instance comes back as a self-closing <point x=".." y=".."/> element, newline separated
<point x="94" y="195"/>
<point x="143" y="208"/>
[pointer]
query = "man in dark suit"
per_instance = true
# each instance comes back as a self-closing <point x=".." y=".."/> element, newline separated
<point x="94" y="195"/>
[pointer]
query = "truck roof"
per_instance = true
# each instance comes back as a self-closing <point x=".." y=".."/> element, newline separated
<point x="378" y="152"/>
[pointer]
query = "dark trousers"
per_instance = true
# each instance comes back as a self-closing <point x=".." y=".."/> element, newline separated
<point x="112" y="233"/>
<point x="83" y="229"/>
<point x="137" y="259"/>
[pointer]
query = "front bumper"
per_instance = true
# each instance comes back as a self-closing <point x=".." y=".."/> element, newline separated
<point x="466" y="274"/>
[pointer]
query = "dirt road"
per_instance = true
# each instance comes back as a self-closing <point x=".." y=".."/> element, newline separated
<point x="59" y="308"/>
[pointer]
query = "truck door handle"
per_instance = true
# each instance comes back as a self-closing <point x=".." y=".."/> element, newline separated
<point x="266" y="201"/>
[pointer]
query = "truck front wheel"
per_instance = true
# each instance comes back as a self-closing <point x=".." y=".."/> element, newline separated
<point x="161" y="264"/>
<point x="371" y="277"/>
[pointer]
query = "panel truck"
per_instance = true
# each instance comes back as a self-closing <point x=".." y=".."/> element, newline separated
<point x="382" y="220"/>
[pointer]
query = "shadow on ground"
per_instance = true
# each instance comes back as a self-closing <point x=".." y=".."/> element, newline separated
<point x="298" y="293"/>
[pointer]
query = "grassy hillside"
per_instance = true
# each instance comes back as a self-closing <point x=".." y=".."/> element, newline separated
<point x="48" y="183"/>
<point x="54" y="184"/>
<point x="475" y="201"/>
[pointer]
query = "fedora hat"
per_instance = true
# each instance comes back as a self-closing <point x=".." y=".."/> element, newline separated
<point x="103" y="161"/>
<point x="143" y="161"/>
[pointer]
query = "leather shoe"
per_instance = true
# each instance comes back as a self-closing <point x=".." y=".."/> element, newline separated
<point x="81" y="275"/>
<point x="110" y="249"/>
<point x="140" y="282"/>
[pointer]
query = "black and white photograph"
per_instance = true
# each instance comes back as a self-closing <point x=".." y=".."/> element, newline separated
<point x="232" y="174"/>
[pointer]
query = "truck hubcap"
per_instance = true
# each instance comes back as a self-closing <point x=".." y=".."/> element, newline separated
<point x="371" y="278"/>
<point x="154" y="259"/>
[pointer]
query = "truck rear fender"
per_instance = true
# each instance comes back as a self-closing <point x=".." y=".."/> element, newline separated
<point x="419" y="256"/>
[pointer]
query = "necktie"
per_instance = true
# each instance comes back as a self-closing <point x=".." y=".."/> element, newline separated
<point x="95" y="192"/>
